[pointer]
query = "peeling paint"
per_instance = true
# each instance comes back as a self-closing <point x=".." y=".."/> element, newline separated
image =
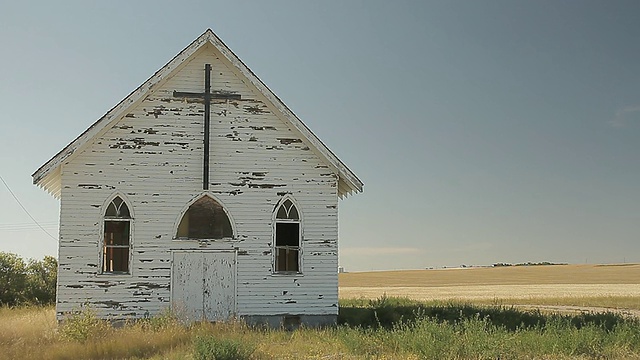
<point x="111" y="304"/>
<point x="257" y="109"/>
<point x="134" y="143"/>
<point x="285" y="141"/>
<point x="147" y="285"/>
<point x="96" y="186"/>
<point x="266" y="186"/>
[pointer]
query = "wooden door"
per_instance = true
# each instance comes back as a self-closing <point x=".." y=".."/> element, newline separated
<point x="203" y="285"/>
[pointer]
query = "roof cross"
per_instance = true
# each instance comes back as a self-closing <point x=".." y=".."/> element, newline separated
<point x="206" y="96"/>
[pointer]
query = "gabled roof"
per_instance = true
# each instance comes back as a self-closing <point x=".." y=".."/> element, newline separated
<point x="48" y="175"/>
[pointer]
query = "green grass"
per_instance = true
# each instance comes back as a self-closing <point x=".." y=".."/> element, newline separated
<point x="212" y="347"/>
<point x="462" y="331"/>
<point x="385" y="328"/>
<point x="388" y="312"/>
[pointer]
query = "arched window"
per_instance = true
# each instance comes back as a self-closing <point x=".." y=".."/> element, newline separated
<point x="287" y="238"/>
<point x="117" y="237"/>
<point x="205" y="219"/>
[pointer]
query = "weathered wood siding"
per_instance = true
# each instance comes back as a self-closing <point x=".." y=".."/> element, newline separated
<point x="152" y="158"/>
<point x="203" y="285"/>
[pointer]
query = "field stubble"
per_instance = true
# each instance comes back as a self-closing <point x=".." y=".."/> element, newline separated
<point x="593" y="287"/>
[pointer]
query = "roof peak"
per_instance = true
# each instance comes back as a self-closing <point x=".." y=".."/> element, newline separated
<point x="48" y="175"/>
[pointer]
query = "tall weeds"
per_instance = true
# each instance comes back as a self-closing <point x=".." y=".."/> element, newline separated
<point x="460" y="331"/>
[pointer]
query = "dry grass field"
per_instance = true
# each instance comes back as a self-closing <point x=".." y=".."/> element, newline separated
<point x="461" y="332"/>
<point x="602" y="286"/>
<point x="383" y="328"/>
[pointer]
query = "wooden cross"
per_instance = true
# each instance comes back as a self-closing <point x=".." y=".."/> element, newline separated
<point x="206" y="96"/>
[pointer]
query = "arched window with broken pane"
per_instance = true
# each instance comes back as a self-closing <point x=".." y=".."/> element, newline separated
<point x="205" y="219"/>
<point x="288" y="235"/>
<point x="116" y="244"/>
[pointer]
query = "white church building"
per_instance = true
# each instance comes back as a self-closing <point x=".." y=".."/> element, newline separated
<point x="200" y="192"/>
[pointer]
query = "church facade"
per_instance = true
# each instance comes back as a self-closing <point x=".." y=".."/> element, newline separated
<point x="200" y="192"/>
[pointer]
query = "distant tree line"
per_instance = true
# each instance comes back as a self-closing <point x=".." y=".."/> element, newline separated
<point x="30" y="282"/>
<point x="543" y="263"/>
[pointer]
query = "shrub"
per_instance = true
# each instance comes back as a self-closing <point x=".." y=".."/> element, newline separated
<point x="211" y="348"/>
<point x="166" y="319"/>
<point x="82" y="325"/>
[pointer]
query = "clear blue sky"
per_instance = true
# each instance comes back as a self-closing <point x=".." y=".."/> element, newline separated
<point x="484" y="131"/>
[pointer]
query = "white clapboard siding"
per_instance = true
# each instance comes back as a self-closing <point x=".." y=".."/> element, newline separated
<point x="152" y="157"/>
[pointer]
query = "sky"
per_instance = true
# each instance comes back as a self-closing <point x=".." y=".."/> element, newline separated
<point x="484" y="131"/>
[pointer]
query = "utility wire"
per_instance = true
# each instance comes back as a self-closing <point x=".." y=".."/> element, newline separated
<point x="25" y="210"/>
<point x="30" y="226"/>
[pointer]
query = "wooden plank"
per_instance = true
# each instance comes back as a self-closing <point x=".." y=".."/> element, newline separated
<point x="187" y="281"/>
<point x="219" y="285"/>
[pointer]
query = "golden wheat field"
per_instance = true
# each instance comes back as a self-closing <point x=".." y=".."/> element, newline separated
<point x="579" y="285"/>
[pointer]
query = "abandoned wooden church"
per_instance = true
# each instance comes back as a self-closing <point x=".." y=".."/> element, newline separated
<point x="201" y="192"/>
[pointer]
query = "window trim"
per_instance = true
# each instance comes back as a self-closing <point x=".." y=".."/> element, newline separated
<point x="103" y="246"/>
<point x="274" y="247"/>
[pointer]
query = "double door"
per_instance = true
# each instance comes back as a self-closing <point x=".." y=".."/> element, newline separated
<point x="203" y="285"/>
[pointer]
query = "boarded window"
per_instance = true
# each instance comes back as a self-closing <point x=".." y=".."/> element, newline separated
<point x="117" y="237"/>
<point x="287" y="238"/>
<point x="205" y="219"/>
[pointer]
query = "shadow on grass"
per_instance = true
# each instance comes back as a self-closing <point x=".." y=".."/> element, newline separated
<point x="387" y="312"/>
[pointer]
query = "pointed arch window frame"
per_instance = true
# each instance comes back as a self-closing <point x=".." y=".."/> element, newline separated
<point x="285" y="220"/>
<point x="115" y="219"/>
<point x="185" y="211"/>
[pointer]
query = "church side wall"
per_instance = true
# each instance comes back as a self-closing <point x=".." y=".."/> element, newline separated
<point x="153" y="158"/>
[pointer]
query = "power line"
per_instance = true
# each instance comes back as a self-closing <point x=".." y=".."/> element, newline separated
<point x="30" y="226"/>
<point x="25" y="210"/>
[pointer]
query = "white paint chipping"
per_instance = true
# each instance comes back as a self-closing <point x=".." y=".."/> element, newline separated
<point x="149" y="151"/>
<point x="203" y="285"/>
